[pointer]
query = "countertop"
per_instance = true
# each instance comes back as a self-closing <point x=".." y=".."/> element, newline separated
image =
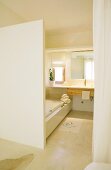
<point x="72" y="86"/>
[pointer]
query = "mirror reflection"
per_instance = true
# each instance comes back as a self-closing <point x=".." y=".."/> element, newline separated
<point x="82" y="65"/>
<point x="70" y="65"/>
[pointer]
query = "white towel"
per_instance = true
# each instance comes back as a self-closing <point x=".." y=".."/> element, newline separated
<point x="66" y="100"/>
<point x="67" y="97"/>
<point x="64" y="95"/>
<point x="85" y="95"/>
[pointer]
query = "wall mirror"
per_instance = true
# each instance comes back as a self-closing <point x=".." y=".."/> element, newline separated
<point x="70" y="65"/>
<point x="82" y="65"/>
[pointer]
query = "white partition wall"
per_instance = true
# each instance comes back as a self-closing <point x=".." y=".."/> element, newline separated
<point x="102" y="95"/>
<point x="21" y="83"/>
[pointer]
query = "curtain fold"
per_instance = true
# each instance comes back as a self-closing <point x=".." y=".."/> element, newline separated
<point x="102" y="103"/>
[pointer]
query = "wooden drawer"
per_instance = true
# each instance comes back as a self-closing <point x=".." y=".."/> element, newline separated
<point x="74" y="91"/>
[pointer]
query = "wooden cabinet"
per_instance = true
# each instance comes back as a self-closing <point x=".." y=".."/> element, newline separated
<point x="78" y="91"/>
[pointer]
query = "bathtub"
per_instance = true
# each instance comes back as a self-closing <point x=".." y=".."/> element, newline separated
<point x="55" y="112"/>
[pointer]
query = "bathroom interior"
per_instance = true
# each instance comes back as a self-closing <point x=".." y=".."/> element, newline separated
<point x="69" y="84"/>
<point x="68" y="90"/>
<point x="54" y="111"/>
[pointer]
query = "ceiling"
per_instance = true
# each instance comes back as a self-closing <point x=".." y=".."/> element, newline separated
<point x="58" y="15"/>
<point x="68" y="23"/>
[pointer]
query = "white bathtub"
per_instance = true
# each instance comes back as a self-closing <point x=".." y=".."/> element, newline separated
<point x="55" y="113"/>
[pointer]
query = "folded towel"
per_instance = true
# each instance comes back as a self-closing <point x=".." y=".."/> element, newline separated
<point x="64" y="95"/>
<point x="66" y="100"/>
<point x="67" y="97"/>
<point x="69" y="100"/>
<point x="85" y="95"/>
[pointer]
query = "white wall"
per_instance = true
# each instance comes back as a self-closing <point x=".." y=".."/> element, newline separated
<point x="82" y="105"/>
<point x="21" y="83"/>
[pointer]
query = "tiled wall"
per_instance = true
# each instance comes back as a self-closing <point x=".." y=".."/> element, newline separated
<point x="55" y="93"/>
<point x="82" y="105"/>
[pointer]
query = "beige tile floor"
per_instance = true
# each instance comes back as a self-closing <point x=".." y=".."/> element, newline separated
<point x="68" y="147"/>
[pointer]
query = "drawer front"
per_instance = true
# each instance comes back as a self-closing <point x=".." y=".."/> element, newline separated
<point x="72" y="91"/>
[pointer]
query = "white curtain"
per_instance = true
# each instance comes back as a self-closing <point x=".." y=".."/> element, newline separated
<point x="102" y="106"/>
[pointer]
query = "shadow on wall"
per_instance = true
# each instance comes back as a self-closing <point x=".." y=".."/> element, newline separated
<point x="11" y="164"/>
